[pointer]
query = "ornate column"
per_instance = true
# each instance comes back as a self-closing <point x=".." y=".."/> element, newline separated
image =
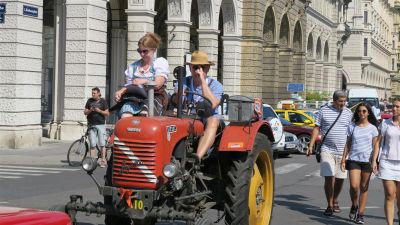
<point x="329" y="77"/>
<point x="310" y="73"/>
<point x="270" y="74"/>
<point x="318" y="75"/>
<point x="118" y="60"/>
<point x="208" y="42"/>
<point x="178" y="43"/>
<point x="85" y="60"/>
<point x="20" y="75"/>
<point x="285" y="71"/>
<point x="140" y="21"/>
<point x="231" y="65"/>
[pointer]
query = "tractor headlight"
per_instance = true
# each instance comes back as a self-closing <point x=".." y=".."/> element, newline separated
<point x="170" y="170"/>
<point x="89" y="164"/>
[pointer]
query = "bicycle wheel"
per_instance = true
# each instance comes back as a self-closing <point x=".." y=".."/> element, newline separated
<point x="77" y="152"/>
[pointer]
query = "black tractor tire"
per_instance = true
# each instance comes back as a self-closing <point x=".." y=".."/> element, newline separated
<point x="250" y="185"/>
<point x="144" y="222"/>
<point x="117" y="220"/>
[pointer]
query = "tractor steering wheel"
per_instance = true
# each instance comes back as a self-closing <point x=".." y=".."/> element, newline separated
<point x="201" y="107"/>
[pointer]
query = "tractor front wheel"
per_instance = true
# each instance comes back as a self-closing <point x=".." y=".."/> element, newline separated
<point x="250" y="186"/>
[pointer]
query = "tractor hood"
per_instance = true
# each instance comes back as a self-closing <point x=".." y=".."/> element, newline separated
<point x="143" y="145"/>
<point x="20" y="216"/>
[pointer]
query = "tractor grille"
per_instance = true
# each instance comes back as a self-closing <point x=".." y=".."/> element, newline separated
<point x="134" y="163"/>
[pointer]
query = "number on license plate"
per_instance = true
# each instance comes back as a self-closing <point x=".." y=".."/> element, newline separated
<point x="290" y="145"/>
<point x="137" y="204"/>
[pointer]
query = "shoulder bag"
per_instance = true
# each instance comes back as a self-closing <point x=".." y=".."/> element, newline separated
<point x="318" y="149"/>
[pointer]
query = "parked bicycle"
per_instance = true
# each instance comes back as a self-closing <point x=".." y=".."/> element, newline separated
<point x="79" y="149"/>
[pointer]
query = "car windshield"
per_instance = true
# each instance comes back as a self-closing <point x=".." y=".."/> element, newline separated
<point x="370" y="101"/>
<point x="311" y="114"/>
<point x="285" y="122"/>
<point x="268" y="112"/>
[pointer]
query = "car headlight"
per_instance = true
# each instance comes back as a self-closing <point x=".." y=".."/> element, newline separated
<point x="89" y="164"/>
<point x="170" y="170"/>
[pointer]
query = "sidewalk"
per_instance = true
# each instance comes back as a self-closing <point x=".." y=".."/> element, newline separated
<point x="52" y="152"/>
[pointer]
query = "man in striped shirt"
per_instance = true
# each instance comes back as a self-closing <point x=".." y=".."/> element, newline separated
<point x="332" y="147"/>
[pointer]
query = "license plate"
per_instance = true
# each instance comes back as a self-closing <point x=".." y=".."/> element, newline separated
<point x="290" y="145"/>
<point x="137" y="204"/>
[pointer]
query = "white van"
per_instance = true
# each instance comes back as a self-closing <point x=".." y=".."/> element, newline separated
<point x="367" y="95"/>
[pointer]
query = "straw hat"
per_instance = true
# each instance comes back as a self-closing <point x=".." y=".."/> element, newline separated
<point x="200" y="58"/>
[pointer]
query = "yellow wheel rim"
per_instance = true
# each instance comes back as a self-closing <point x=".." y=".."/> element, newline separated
<point x="261" y="191"/>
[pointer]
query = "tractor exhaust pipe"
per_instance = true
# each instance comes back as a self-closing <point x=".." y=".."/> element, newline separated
<point x="181" y="76"/>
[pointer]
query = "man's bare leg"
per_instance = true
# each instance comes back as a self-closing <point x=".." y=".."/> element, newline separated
<point x="208" y="138"/>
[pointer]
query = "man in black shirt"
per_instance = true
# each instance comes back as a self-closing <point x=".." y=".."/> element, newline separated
<point x="96" y="110"/>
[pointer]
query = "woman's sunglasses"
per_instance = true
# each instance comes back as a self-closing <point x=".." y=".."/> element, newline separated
<point x="362" y="111"/>
<point x="144" y="51"/>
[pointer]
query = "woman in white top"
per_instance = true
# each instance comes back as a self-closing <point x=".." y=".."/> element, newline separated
<point x="140" y="72"/>
<point x="389" y="161"/>
<point x="362" y="137"/>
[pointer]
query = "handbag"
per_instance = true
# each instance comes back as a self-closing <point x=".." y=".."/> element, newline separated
<point x="318" y="148"/>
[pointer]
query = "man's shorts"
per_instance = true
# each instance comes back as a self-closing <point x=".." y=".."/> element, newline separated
<point x="356" y="165"/>
<point x="98" y="133"/>
<point x="330" y="166"/>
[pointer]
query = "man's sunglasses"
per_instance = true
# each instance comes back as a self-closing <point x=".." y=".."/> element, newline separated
<point x="196" y="67"/>
<point x="144" y="51"/>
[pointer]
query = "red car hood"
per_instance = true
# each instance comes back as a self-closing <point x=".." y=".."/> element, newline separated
<point x="21" y="216"/>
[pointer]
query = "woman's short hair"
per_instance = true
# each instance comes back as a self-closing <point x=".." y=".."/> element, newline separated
<point x="150" y="40"/>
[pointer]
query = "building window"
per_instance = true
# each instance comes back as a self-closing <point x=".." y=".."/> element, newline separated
<point x="365" y="17"/>
<point x="365" y="46"/>
<point x="394" y="44"/>
<point x="393" y="64"/>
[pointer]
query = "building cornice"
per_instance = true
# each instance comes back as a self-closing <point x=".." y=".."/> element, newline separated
<point x="320" y="17"/>
<point x="380" y="47"/>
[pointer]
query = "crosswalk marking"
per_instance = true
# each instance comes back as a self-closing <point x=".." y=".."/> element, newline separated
<point x="10" y="177"/>
<point x="288" y="168"/>
<point x="17" y="172"/>
<point x="27" y="174"/>
<point x="314" y="174"/>
<point x="24" y="170"/>
<point x="40" y="168"/>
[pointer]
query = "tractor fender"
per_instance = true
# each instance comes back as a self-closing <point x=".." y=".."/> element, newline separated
<point x="240" y="137"/>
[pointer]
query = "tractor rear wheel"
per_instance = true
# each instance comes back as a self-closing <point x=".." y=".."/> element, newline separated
<point x="250" y="186"/>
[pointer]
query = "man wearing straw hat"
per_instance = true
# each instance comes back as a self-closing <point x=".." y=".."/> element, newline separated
<point x="202" y="84"/>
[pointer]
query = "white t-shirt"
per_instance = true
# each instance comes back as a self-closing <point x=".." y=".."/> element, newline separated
<point x="361" y="144"/>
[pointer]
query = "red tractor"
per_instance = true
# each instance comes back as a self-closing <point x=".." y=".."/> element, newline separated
<point x="153" y="174"/>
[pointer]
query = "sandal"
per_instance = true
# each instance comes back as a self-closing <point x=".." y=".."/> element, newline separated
<point x="336" y="207"/>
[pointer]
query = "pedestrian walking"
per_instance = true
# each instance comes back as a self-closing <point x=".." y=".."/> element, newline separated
<point x="96" y="110"/>
<point x="362" y="137"/>
<point x="388" y="156"/>
<point x="332" y="122"/>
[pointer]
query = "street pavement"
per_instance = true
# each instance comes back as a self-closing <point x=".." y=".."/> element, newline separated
<point x="52" y="152"/>
<point x="40" y="177"/>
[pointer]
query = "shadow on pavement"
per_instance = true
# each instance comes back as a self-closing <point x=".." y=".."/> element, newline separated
<point x="297" y="203"/>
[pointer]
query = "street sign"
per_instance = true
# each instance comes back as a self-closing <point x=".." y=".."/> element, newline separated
<point x="295" y="87"/>
<point x="30" y="11"/>
<point x="2" y="8"/>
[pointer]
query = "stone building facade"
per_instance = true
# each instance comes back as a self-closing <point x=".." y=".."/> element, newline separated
<point x="396" y="79"/>
<point x="50" y="62"/>
<point x="327" y="33"/>
<point x="370" y="58"/>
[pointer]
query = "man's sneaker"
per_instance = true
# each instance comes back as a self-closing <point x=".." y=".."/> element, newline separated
<point x="328" y="211"/>
<point x="353" y="212"/>
<point x="359" y="219"/>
